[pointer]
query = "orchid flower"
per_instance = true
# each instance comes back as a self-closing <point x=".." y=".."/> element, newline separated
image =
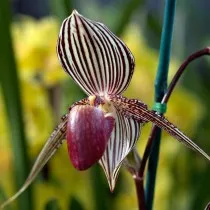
<point x="105" y="126"/>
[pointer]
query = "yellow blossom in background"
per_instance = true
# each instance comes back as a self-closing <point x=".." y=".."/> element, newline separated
<point x="38" y="125"/>
<point x="5" y="162"/>
<point x="35" y="49"/>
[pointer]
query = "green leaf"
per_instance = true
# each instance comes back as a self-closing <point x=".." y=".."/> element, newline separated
<point x="11" y="95"/>
<point x="52" y="205"/>
<point x="126" y="15"/>
<point x="103" y="198"/>
<point x="75" y="204"/>
<point x="61" y="8"/>
<point x="100" y="189"/>
<point x="3" y="197"/>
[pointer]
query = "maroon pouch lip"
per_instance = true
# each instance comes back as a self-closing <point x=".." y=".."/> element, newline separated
<point x="88" y="132"/>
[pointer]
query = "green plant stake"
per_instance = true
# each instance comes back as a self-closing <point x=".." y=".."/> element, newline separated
<point x="160" y="89"/>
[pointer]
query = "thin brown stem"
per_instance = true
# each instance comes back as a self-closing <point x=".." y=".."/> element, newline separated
<point x="147" y="151"/>
<point x="139" y="183"/>
<point x="192" y="57"/>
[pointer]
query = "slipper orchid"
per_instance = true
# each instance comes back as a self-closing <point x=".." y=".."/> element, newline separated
<point x="105" y="126"/>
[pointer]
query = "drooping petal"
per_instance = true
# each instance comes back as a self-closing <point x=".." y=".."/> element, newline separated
<point x="88" y="132"/>
<point x="51" y="146"/>
<point x="138" y="111"/>
<point x="49" y="149"/>
<point x="207" y="207"/>
<point x="121" y="142"/>
<point x="93" y="56"/>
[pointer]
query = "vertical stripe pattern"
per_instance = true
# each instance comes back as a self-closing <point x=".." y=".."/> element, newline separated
<point x="122" y="140"/>
<point x="93" y="56"/>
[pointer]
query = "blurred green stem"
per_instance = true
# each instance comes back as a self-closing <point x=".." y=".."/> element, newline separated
<point x="102" y="201"/>
<point x="3" y="197"/>
<point x="52" y="205"/>
<point x="126" y="14"/>
<point x="75" y="204"/>
<point x="10" y="88"/>
<point x="61" y="8"/>
<point x="160" y="89"/>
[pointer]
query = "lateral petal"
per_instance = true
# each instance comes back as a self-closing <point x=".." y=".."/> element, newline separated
<point x="93" y="56"/>
<point x="51" y="146"/>
<point x="121" y="142"/>
<point x="138" y="111"/>
<point x="53" y="143"/>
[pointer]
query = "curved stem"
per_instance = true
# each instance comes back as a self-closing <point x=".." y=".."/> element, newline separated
<point x="139" y="183"/>
<point x="147" y="151"/>
<point x="177" y="76"/>
<point x="192" y="57"/>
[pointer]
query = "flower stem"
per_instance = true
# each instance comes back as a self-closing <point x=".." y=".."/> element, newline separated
<point x="192" y="57"/>
<point x="61" y="8"/>
<point x="139" y="183"/>
<point x="177" y="76"/>
<point x="160" y="89"/>
<point x="126" y="14"/>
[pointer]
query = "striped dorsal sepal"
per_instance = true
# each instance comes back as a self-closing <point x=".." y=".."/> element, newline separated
<point x="93" y="56"/>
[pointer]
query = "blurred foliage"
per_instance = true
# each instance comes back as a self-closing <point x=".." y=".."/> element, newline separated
<point x="75" y="204"/>
<point x="61" y="8"/>
<point x="52" y="205"/>
<point x="10" y="88"/>
<point x="126" y="14"/>
<point x="35" y="43"/>
<point x="39" y="70"/>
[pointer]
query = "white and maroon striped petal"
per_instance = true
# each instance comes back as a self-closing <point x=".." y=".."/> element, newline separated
<point x="121" y="142"/>
<point x="93" y="56"/>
